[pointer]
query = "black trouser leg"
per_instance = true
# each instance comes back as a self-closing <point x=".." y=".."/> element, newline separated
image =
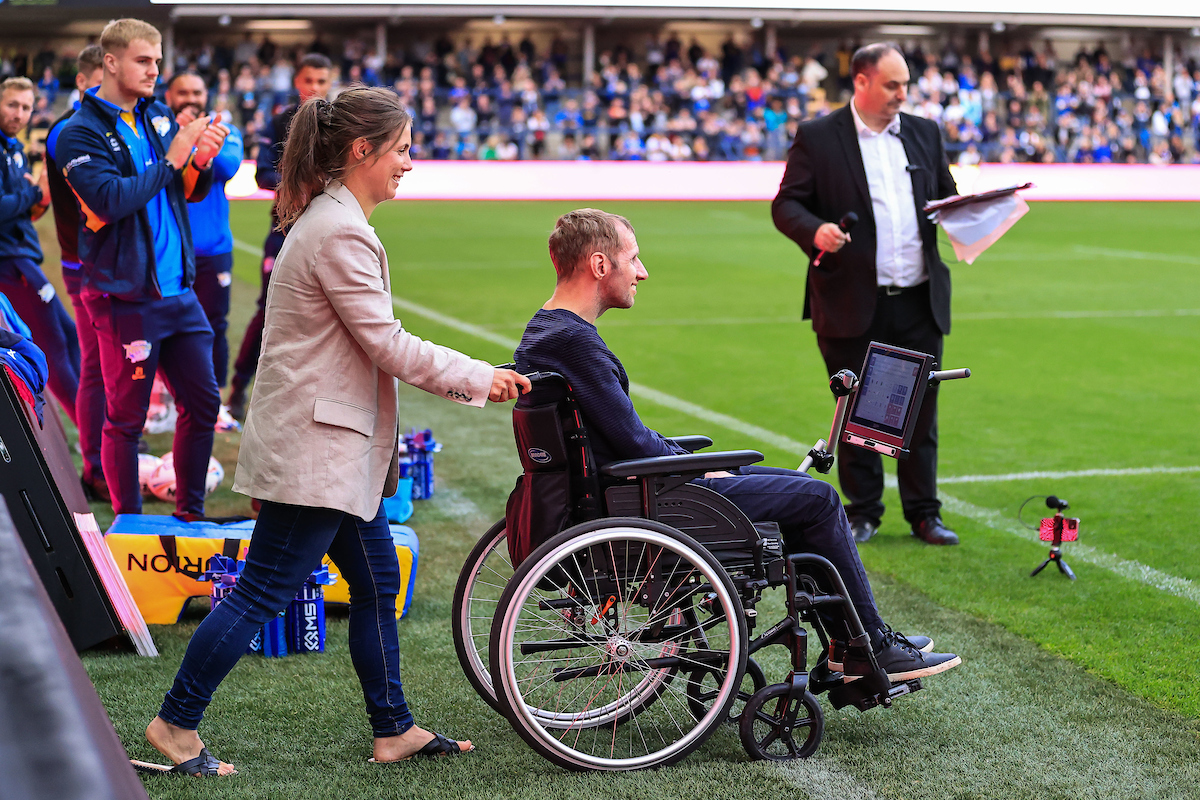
<point x="904" y="320"/>
<point x="247" y="359"/>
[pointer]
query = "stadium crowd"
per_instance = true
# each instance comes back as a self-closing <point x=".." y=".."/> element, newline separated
<point x="677" y="102"/>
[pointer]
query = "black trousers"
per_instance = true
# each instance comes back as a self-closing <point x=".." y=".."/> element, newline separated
<point x="904" y="320"/>
<point x="811" y="520"/>
<point x="214" y="279"/>
<point x="246" y="363"/>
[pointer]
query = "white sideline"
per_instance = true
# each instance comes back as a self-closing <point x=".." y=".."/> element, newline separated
<point x="1133" y="570"/>
<point x="1137" y="255"/>
<point x="1079" y="473"/>
<point x="821" y="777"/>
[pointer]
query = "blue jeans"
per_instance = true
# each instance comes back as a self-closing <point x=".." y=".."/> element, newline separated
<point x="287" y="545"/>
<point x="811" y="519"/>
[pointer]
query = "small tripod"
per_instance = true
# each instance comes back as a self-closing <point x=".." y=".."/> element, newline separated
<point x="1056" y="542"/>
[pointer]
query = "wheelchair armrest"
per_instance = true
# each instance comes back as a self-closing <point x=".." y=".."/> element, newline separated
<point x="694" y="463"/>
<point x="692" y="443"/>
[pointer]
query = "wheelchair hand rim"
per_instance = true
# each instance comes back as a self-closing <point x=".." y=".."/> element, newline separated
<point x="672" y="543"/>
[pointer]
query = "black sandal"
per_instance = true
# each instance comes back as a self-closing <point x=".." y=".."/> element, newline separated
<point x="204" y="765"/>
<point x="437" y="747"/>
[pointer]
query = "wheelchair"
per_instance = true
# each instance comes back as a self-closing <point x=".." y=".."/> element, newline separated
<point x="614" y="627"/>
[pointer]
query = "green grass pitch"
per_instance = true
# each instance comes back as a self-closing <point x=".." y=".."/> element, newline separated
<point x="1081" y="328"/>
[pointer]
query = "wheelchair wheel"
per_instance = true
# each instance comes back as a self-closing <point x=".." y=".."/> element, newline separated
<point x="591" y="632"/>
<point x="774" y="729"/>
<point x="704" y="686"/>
<point x="480" y="584"/>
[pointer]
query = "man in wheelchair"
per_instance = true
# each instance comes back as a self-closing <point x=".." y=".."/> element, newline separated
<point x="595" y="256"/>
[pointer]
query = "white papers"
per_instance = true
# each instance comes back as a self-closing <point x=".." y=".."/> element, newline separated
<point x="975" y="223"/>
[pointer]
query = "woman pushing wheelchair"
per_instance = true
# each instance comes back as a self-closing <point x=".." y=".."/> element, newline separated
<point x="320" y="442"/>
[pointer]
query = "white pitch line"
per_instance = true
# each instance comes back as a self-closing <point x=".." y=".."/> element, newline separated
<point x="1137" y="255"/>
<point x="795" y="319"/>
<point x="1133" y="570"/>
<point x="821" y="777"/>
<point x="1131" y="313"/>
<point x="1081" y="473"/>
<point x="653" y="395"/>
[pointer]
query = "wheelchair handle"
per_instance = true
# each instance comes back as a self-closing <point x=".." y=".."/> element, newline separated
<point x="939" y="375"/>
<point x="535" y="377"/>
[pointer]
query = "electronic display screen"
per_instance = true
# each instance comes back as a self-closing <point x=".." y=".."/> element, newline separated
<point x="888" y="388"/>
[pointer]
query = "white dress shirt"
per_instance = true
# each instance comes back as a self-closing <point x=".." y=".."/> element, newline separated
<point x="899" y="258"/>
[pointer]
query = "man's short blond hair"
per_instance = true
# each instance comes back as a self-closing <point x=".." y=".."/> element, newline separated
<point x="17" y="85"/>
<point x="579" y="233"/>
<point x="120" y="33"/>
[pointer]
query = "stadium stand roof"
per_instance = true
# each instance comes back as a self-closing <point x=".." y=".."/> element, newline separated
<point x="1105" y="13"/>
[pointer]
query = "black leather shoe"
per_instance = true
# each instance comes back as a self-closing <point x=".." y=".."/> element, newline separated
<point x="95" y="490"/>
<point x="237" y="406"/>
<point x="863" y="531"/>
<point x="932" y="531"/>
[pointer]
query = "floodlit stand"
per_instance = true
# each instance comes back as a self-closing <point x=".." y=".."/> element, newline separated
<point x="1056" y="550"/>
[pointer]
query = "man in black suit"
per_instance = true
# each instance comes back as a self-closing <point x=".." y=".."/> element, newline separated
<point x="887" y="283"/>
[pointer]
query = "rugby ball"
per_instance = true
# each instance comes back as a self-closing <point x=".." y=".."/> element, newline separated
<point x="147" y="465"/>
<point x="162" y="482"/>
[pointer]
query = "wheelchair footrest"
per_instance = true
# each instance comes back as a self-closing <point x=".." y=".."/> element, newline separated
<point x="860" y="695"/>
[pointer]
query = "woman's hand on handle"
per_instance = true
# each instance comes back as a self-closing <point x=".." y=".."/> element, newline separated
<point x="508" y="385"/>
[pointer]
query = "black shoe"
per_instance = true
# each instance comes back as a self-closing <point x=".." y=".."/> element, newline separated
<point x="237" y="406"/>
<point x="933" y="531"/>
<point x="95" y="490"/>
<point x="900" y="660"/>
<point x="837" y="649"/>
<point x="863" y="531"/>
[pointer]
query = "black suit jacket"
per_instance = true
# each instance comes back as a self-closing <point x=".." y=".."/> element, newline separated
<point x="824" y="179"/>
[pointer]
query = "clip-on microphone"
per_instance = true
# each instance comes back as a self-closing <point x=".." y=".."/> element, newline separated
<point x="844" y="224"/>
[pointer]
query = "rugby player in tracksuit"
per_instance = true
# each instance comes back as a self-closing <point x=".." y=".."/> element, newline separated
<point x="89" y="401"/>
<point x="312" y="80"/>
<point x="133" y="170"/>
<point x="187" y="97"/>
<point x="21" y="277"/>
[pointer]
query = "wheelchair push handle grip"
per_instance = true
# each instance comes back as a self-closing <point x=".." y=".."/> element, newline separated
<point x="538" y="377"/>
<point x="533" y="377"/>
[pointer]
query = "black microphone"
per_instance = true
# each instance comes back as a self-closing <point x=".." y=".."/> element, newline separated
<point x="848" y="221"/>
<point x="1056" y="504"/>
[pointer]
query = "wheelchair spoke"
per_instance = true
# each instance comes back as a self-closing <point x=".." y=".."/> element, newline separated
<point x="603" y="632"/>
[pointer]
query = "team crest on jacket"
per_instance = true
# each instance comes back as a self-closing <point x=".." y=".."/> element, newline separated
<point x="162" y="125"/>
<point x="19" y="160"/>
<point x="138" y="350"/>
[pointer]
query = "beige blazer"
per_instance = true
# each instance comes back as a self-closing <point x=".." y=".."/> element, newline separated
<point x="321" y="428"/>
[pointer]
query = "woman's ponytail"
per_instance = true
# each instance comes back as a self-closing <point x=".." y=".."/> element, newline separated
<point x="302" y="173"/>
<point x="318" y="143"/>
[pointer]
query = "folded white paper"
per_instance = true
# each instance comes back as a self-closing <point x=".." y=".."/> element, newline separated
<point x="975" y="226"/>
